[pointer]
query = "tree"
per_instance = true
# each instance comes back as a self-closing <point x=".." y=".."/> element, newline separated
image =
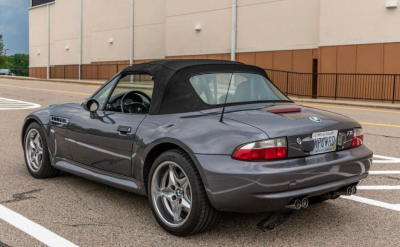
<point x="18" y="63"/>
<point x="3" y="57"/>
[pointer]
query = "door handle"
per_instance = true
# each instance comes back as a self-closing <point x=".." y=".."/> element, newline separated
<point x="124" y="129"/>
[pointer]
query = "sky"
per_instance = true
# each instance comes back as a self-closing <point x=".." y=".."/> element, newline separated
<point x="14" y="25"/>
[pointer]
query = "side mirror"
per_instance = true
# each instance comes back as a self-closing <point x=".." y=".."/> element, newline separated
<point x="92" y="106"/>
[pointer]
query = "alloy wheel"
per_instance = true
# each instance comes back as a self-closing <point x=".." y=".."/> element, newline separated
<point x="34" y="150"/>
<point x="171" y="193"/>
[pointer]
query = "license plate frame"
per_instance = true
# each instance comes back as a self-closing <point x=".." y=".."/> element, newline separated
<point x="324" y="142"/>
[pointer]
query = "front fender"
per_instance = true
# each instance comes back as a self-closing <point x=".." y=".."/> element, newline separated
<point x="42" y="117"/>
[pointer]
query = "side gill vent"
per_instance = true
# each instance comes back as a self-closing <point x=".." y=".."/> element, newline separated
<point x="58" y="121"/>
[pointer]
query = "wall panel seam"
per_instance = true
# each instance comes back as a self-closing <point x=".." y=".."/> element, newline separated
<point x="205" y="11"/>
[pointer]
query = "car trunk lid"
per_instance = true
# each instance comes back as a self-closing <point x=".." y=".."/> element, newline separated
<point x="296" y="123"/>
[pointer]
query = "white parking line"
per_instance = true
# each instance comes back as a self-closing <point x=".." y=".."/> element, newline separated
<point x="10" y="104"/>
<point x="380" y="159"/>
<point x="379" y="187"/>
<point x="395" y="207"/>
<point x="40" y="233"/>
<point x="385" y="159"/>
<point x="383" y="172"/>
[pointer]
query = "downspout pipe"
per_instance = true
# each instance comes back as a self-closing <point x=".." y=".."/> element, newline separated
<point x="80" y="38"/>
<point x="48" y="42"/>
<point x="233" y="30"/>
<point x="131" y="33"/>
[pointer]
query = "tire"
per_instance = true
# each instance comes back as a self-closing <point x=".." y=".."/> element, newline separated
<point x="189" y="190"/>
<point x="35" y="144"/>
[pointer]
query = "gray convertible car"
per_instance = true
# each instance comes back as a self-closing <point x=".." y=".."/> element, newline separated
<point x="213" y="136"/>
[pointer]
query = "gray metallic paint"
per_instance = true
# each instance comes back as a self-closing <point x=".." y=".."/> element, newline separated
<point x="107" y="156"/>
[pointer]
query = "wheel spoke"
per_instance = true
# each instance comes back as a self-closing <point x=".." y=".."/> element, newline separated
<point x="182" y="181"/>
<point x="31" y="143"/>
<point x="36" y="140"/>
<point x="176" y="210"/>
<point x="37" y="160"/>
<point x="32" y="154"/>
<point x="172" y="176"/>
<point x="177" y="215"/>
<point x="185" y="204"/>
<point x="168" y="195"/>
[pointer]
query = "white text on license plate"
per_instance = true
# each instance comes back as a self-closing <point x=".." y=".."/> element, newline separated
<point x="324" y="141"/>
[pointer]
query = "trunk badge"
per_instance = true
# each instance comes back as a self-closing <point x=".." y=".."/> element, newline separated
<point x="315" y="119"/>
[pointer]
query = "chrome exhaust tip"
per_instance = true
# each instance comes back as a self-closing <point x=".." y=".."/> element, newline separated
<point x="304" y="202"/>
<point x="347" y="191"/>
<point x="353" y="190"/>
<point x="296" y="205"/>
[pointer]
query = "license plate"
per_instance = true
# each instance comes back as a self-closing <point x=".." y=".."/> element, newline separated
<point x="324" y="141"/>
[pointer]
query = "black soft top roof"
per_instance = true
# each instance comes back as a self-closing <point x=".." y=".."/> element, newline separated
<point x="172" y="91"/>
<point x="176" y="64"/>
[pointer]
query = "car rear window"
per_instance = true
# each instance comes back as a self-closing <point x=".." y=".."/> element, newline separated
<point x="243" y="87"/>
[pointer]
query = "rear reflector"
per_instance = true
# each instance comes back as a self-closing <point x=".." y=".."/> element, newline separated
<point x="288" y="110"/>
<point x="358" y="138"/>
<point x="263" y="150"/>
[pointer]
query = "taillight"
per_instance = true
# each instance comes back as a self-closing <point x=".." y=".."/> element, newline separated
<point x="358" y="138"/>
<point x="262" y="150"/>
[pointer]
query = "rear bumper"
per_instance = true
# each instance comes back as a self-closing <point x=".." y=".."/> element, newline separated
<point x="240" y="186"/>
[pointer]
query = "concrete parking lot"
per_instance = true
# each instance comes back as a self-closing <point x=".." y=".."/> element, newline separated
<point x="85" y="213"/>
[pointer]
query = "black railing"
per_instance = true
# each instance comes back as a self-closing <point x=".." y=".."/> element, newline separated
<point x="89" y="71"/>
<point x="384" y="87"/>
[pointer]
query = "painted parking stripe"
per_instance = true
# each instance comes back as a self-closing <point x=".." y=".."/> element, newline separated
<point x="11" y="104"/>
<point x="383" y="172"/>
<point x="383" y="160"/>
<point x="395" y="207"/>
<point x="379" y="187"/>
<point x="380" y="159"/>
<point x="40" y="233"/>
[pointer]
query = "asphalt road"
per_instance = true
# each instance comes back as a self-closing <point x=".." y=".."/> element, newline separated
<point x="87" y="213"/>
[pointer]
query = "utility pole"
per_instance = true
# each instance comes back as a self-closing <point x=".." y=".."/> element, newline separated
<point x="233" y="30"/>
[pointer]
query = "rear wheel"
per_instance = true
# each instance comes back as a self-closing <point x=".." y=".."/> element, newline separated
<point x="177" y="195"/>
<point x="37" y="157"/>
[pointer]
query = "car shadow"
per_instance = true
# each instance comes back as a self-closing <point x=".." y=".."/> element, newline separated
<point x="240" y="228"/>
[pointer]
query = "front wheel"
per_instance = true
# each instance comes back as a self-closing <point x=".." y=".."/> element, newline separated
<point x="37" y="157"/>
<point x="177" y="195"/>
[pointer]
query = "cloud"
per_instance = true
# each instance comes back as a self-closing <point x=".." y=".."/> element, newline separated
<point x="14" y="25"/>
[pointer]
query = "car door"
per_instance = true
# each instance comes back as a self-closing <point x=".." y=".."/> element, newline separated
<point x="104" y="141"/>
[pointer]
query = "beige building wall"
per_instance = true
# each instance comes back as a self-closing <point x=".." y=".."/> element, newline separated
<point x="38" y="37"/>
<point x="183" y="15"/>
<point x="66" y="31"/>
<point x="109" y="20"/>
<point x="345" y="36"/>
<point x="344" y="22"/>
<point x="266" y="25"/>
<point x="149" y="29"/>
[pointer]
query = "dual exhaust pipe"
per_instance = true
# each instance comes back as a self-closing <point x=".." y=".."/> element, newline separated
<point x="300" y="203"/>
<point x="346" y="191"/>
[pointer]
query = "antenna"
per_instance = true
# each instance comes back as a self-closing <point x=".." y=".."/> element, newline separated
<point x="226" y="98"/>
